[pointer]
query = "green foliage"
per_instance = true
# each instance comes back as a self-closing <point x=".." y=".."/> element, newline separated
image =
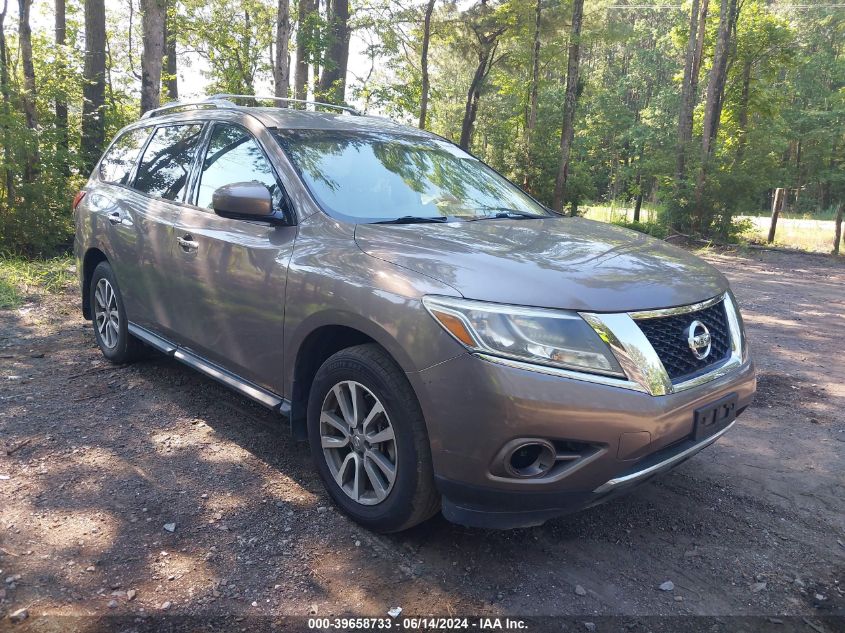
<point x="655" y="229"/>
<point x="230" y="36"/>
<point x="782" y="121"/>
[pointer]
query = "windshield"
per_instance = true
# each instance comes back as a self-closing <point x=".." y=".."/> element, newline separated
<point x="377" y="177"/>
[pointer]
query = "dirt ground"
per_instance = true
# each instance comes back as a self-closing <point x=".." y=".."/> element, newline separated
<point x="97" y="462"/>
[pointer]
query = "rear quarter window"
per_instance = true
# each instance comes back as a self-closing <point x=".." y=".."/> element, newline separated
<point x="118" y="162"/>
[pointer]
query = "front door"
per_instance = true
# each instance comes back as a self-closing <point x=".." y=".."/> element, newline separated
<point x="232" y="273"/>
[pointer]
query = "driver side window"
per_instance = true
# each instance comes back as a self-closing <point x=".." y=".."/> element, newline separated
<point x="233" y="156"/>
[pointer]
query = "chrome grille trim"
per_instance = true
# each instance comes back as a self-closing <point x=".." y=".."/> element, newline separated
<point x="633" y="350"/>
<point x="638" y="357"/>
<point x="664" y="312"/>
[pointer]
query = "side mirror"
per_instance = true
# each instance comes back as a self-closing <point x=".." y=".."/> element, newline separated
<point x="243" y="201"/>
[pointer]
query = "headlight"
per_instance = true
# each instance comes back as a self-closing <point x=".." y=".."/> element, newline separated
<point x="547" y="337"/>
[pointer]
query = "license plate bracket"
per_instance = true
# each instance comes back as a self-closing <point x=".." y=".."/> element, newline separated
<point x="714" y="417"/>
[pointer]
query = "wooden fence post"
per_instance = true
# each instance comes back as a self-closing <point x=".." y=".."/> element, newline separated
<point x="777" y="205"/>
<point x="837" y="227"/>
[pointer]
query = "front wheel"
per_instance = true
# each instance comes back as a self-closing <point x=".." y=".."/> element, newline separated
<point x="369" y="441"/>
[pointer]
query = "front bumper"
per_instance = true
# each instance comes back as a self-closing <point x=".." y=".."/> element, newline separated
<point x="474" y="407"/>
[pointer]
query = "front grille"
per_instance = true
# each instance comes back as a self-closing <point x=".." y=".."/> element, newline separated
<point x="666" y="335"/>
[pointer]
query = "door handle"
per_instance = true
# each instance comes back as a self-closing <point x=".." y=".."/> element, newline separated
<point x="114" y="217"/>
<point x="187" y="243"/>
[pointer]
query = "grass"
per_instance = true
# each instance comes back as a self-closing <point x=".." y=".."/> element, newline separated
<point x="20" y="278"/>
<point x="815" y="236"/>
<point x="812" y="233"/>
<point x="618" y="213"/>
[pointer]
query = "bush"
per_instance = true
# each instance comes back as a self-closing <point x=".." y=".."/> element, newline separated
<point x="655" y="229"/>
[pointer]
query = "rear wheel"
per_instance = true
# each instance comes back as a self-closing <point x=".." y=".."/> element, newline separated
<point x="111" y="327"/>
<point x="369" y="441"/>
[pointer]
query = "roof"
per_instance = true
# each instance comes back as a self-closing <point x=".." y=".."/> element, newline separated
<point x="287" y="118"/>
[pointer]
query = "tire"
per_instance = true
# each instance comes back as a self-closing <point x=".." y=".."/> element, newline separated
<point x="115" y="342"/>
<point x="411" y="497"/>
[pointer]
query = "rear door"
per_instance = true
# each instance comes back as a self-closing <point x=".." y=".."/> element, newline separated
<point x="232" y="273"/>
<point x="113" y="204"/>
<point x="159" y="186"/>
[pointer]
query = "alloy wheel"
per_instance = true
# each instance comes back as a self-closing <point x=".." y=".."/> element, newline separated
<point x="358" y="442"/>
<point x="106" y="315"/>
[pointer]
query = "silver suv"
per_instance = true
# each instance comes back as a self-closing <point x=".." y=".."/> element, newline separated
<point x="440" y="338"/>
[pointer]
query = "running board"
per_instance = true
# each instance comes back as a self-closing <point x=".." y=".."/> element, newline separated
<point x="223" y="376"/>
<point x="153" y="340"/>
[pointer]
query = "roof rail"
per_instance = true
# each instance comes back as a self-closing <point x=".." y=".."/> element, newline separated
<point x="231" y="97"/>
<point x="180" y="106"/>
<point x="228" y="101"/>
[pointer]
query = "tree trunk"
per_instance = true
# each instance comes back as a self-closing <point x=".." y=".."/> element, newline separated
<point x="531" y="116"/>
<point x="798" y="185"/>
<point x="4" y="90"/>
<point x="692" y="61"/>
<point x="714" y="102"/>
<point x="152" y="27"/>
<point x="303" y="57"/>
<point x="246" y="85"/>
<point x="61" y="100"/>
<point x="531" y="122"/>
<point x="742" y="117"/>
<point x="469" y="119"/>
<point x="837" y="223"/>
<point x="281" y="64"/>
<point x="569" y="102"/>
<point x="429" y="9"/>
<point x="638" y="203"/>
<point x="28" y="96"/>
<point x="777" y="205"/>
<point x="25" y="35"/>
<point x="171" y="83"/>
<point x="332" y="84"/>
<point x="94" y="86"/>
<point x="718" y="76"/>
<point x="473" y="96"/>
<point x="699" y="47"/>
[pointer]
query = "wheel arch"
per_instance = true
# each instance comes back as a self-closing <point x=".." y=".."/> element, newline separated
<point x="93" y="256"/>
<point x="317" y="346"/>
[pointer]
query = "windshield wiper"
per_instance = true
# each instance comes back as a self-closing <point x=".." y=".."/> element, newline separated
<point x="414" y="219"/>
<point x="506" y="213"/>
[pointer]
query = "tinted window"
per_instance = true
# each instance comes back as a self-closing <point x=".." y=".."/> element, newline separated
<point x="369" y="177"/>
<point x="234" y="156"/>
<point x="166" y="164"/>
<point x="117" y="164"/>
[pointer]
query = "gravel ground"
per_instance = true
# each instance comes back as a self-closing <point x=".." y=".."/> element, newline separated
<point x="149" y="489"/>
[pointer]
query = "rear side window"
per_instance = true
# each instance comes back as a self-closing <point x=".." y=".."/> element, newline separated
<point x="166" y="164"/>
<point x="118" y="162"/>
<point x="234" y="156"/>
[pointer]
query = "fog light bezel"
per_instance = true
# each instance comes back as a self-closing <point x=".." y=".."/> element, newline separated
<point x="539" y="467"/>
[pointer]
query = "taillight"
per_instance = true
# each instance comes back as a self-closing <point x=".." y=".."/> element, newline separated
<point x="77" y="199"/>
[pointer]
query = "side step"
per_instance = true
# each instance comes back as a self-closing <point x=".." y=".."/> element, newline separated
<point x="223" y="376"/>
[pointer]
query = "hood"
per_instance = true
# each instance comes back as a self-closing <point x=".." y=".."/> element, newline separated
<point x="567" y="263"/>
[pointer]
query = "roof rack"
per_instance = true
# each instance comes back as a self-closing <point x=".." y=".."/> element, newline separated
<point x="228" y="101"/>
<point x="181" y="106"/>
